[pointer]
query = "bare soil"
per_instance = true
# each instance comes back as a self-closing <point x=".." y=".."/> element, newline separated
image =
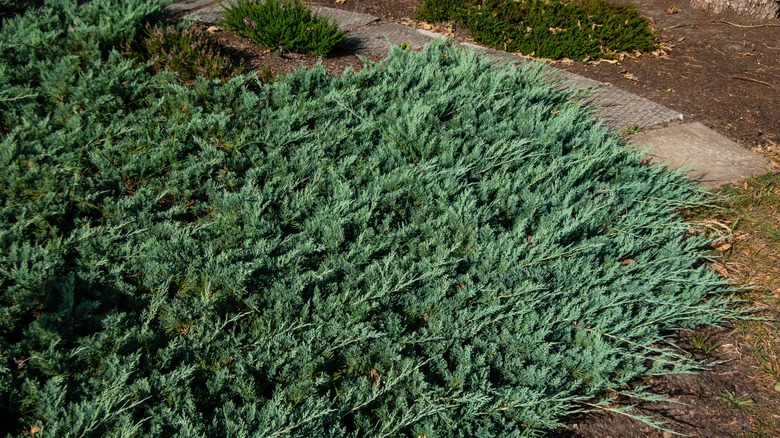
<point x="724" y="71"/>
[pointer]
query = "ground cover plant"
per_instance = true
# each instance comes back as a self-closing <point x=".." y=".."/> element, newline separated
<point x="186" y="50"/>
<point x="283" y="25"/>
<point x="576" y="29"/>
<point x="429" y="246"/>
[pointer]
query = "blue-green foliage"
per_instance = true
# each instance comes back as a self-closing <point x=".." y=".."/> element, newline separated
<point x="429" y="246"/>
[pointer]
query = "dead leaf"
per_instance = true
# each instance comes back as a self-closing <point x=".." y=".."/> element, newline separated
<point x="672" y="10"/>
<point x="723" y="248"/>
<point x="627" y="262"/>
<point x="213" y="29"/>
<point x="630" y="76"/>
<point x="720" y="270"/>
<point x="33" y="430"/>
<point x="660" y="53"/>
<point x="608" y="61"/>
<point x="375" y="378"/>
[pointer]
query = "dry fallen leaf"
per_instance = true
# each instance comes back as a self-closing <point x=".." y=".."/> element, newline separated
<point x="34" y="429"/>
<point x="375" y="378"/>
<point x="630" y="76"/>
<point x="627" y="262"/>
<point x="723" y="248"/>
<point x="720" y="270"/>
<point x="660" y="53"/>
<point x="672" y="10"/>
<point x="608" y="61"/>
<point x="213" y="29"/>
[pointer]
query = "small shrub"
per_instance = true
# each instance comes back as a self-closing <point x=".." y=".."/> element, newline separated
<point x="440" y="10"/>
<point x="549" y="28"/>
<point x="286" y="26"/>
<point x="17" y="6"/>
<point x="187" y="51"/>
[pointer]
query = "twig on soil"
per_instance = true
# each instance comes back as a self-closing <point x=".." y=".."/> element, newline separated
<point x="751" y="26"/>
<point x="753" y="80"/>
<point x="713" y="48"/>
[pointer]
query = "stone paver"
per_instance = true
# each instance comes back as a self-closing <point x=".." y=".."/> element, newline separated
<point x="348" y="21"/>
<point x="711" y="157"/>
<point x="188" y="5"/>
<point x="208" y="15"/>
<point x="621" y="110"/>
<point x="379" y="39"/>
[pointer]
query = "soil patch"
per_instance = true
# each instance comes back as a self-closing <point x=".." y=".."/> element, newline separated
<point x="719" y="69"/>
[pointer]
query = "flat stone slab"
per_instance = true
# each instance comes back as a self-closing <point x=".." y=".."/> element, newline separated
<point x="188" y="5"/>
<point x="712" y="158"/>
<point x="346" y="20"/>
<point x="621" y="110"/>
<point x="496" y="57"/>
<point x="379" y="39"/>
<point x="208" y="15"/>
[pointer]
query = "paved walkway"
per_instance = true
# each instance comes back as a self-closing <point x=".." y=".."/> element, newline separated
<point x="710" y="157"/>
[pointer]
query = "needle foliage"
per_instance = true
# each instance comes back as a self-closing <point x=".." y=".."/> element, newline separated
<point x="428" y="247"/>
<point x="283" y="25"/>
<point x="576" y="29"/>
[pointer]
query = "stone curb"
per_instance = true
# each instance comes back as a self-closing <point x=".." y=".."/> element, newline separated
<point x="709" y="157"/>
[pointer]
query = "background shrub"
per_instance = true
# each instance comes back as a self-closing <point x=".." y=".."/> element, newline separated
<point x="426" y="247"/>
<point x="8" y="7"/>
<point x="186" y="50"/>
<point x="576" y="29"/>
<point x="283" y="25"/>
<point x="440" y="10"/>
